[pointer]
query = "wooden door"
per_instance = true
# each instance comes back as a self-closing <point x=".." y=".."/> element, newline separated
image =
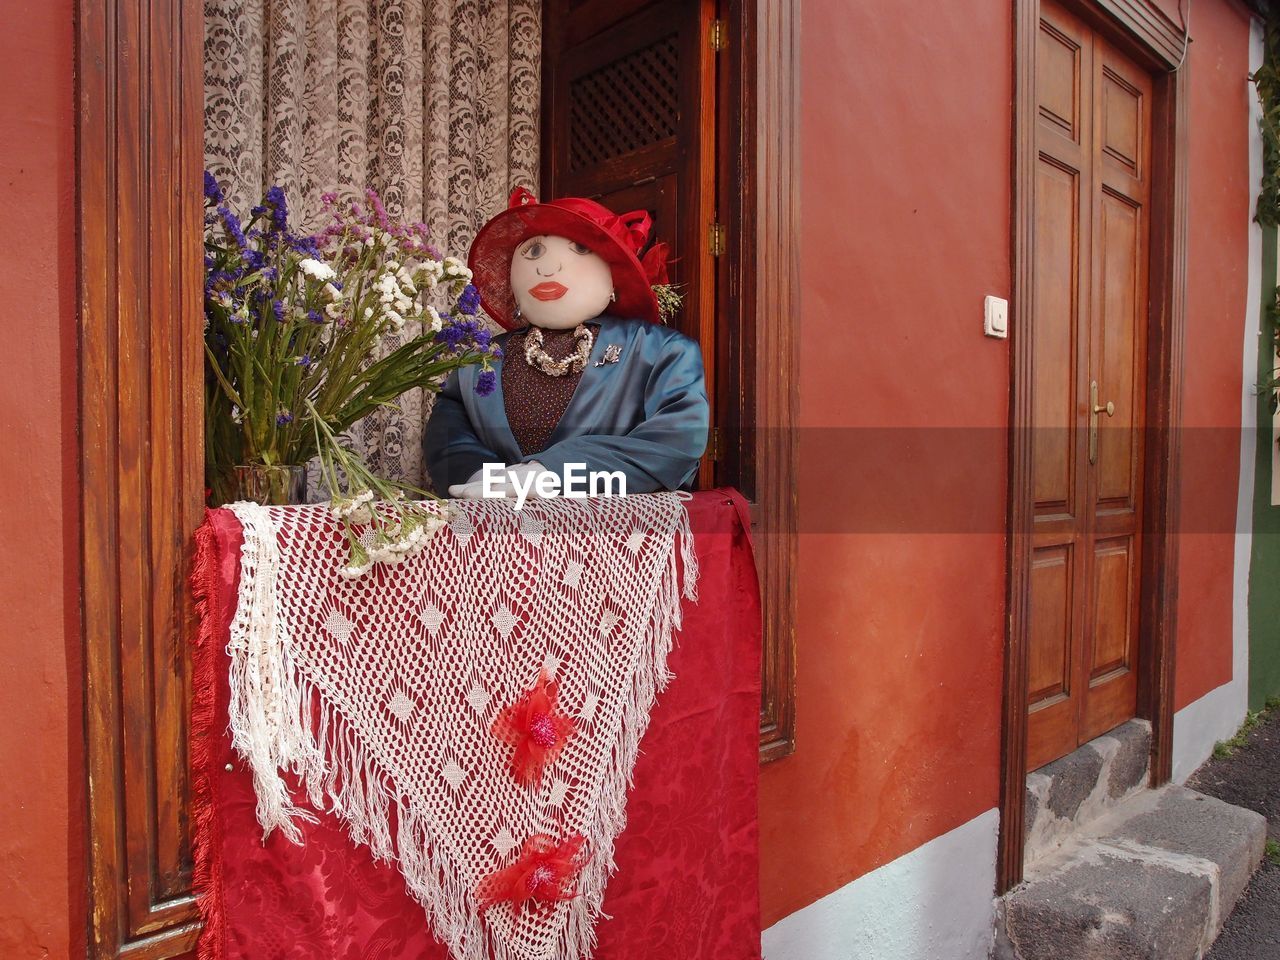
<point x="140" y="215"/>
<point x="1092" y="230"/>
<point x="630" y="100"/>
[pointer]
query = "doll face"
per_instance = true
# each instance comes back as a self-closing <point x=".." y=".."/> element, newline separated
<point x="559" y="283"/>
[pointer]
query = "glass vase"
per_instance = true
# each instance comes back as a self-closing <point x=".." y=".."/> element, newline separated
<point x="270" y="485"/>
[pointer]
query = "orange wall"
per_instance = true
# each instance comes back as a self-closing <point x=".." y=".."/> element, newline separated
<point x="1217" y="291"/>
<point x="41" y="812"/>
<point x="905" y="228"/>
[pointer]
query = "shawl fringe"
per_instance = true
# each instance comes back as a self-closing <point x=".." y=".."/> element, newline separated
<point x="207" y="842"/>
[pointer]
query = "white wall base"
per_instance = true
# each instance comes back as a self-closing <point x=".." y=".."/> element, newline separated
<point x="1198" y="726"/>
<point x="934" y="902"/>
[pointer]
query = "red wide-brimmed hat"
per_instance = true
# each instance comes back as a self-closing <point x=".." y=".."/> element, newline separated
<point x="617" y="238"/>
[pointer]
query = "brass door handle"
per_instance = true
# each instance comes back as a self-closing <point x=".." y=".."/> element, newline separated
<point x="1109" y="408"/>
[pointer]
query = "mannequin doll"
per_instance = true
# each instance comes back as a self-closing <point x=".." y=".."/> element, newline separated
<point x="589" y="375"/>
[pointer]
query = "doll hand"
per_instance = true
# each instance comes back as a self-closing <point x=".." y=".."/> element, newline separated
<point x="518" y="481"/>
<point x="522" y="479"/>
<point x="467" y="491"/>
<point x="473" y="489"/>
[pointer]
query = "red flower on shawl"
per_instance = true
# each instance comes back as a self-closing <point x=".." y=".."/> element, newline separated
<point x="545" y="872"/>
<point x="534" y="727"/>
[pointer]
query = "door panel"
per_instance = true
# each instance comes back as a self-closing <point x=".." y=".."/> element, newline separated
<point x="1089" y="350"/>
<point x="1118" y="238"/>
<point x="1112" y="565"/>
<point x="1057" y="207"/>
<point x="1050" y="664"/>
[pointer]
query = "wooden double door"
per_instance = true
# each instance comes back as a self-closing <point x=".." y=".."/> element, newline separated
<point x="1092" y="240"/>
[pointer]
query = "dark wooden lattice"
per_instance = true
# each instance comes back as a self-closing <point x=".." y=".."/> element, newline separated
<point x="625" y="105"/>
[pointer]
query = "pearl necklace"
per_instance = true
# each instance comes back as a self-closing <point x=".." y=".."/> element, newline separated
<point x="535" y="356"/>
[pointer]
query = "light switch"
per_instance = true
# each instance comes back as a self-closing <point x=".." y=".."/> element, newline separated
<point x="995" y="317"/>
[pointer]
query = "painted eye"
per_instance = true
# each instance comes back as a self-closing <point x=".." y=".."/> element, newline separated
<point x="579" y="248"/>
<point x="534" y="250"/>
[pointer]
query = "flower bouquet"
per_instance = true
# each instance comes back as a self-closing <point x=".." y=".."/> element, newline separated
<point x="306" y="335"/>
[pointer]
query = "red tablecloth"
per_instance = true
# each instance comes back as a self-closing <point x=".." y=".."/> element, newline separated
<point x="686" y="886"/>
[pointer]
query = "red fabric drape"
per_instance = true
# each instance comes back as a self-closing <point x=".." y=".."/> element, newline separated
<point x="686" y="886"/>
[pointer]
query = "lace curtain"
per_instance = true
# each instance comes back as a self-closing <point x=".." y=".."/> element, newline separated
<point x="433" y="103"/>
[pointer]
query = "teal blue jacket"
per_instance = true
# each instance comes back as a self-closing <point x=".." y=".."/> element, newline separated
<point x="645" y="414"/>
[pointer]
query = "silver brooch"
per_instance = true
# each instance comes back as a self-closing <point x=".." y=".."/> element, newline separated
<point x="612" y="354"/>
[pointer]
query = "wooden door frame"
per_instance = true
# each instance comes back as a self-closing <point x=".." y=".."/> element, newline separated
<point x="139" y="219"/>
<point x="1143" y="32"/>
<point x="763" y="220"/>
<point x="763" y="302"/>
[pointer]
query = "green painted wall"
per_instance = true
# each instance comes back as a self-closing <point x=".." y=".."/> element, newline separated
<point x="1264" y="568"/>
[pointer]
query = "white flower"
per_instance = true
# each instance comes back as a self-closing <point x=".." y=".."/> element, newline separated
<point x="456" y="269"/>
<point x="357" y="508"/>
<point x="352" y="572"/>
<point x="316" y="269"/>
<point x="436" y="324"/>
<point x="431" y="272"/>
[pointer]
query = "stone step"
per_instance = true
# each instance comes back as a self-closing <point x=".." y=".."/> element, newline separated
<point x="1092" y="781"/>
<point x="1154" y="879"/>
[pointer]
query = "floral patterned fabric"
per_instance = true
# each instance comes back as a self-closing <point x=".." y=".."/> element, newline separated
<point x="433" y="103"/>
<point x="687" y="880"/>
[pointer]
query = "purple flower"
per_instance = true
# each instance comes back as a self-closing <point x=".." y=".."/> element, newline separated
<point x="275" y="204"/>
<point x="304" y="245"/>
<point x="455" y="332"/>
<point x="277" y="307"/>
<point x="212" y="192"/>
<point x="469" y="302"/>
<point x="232" y="225"/>
<point x="283" y="418"/>
<point x="315" y="316"/>
<point x="279" y="208"/>
<point x="379" y="211"/>
<point x="305" y="361"/>
<point x="486" y="382"/>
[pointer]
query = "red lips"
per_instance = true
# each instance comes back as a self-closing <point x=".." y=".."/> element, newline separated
<point x="549" y="290"/>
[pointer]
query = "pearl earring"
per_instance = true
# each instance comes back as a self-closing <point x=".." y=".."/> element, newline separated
<point x="613" y="297"/>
